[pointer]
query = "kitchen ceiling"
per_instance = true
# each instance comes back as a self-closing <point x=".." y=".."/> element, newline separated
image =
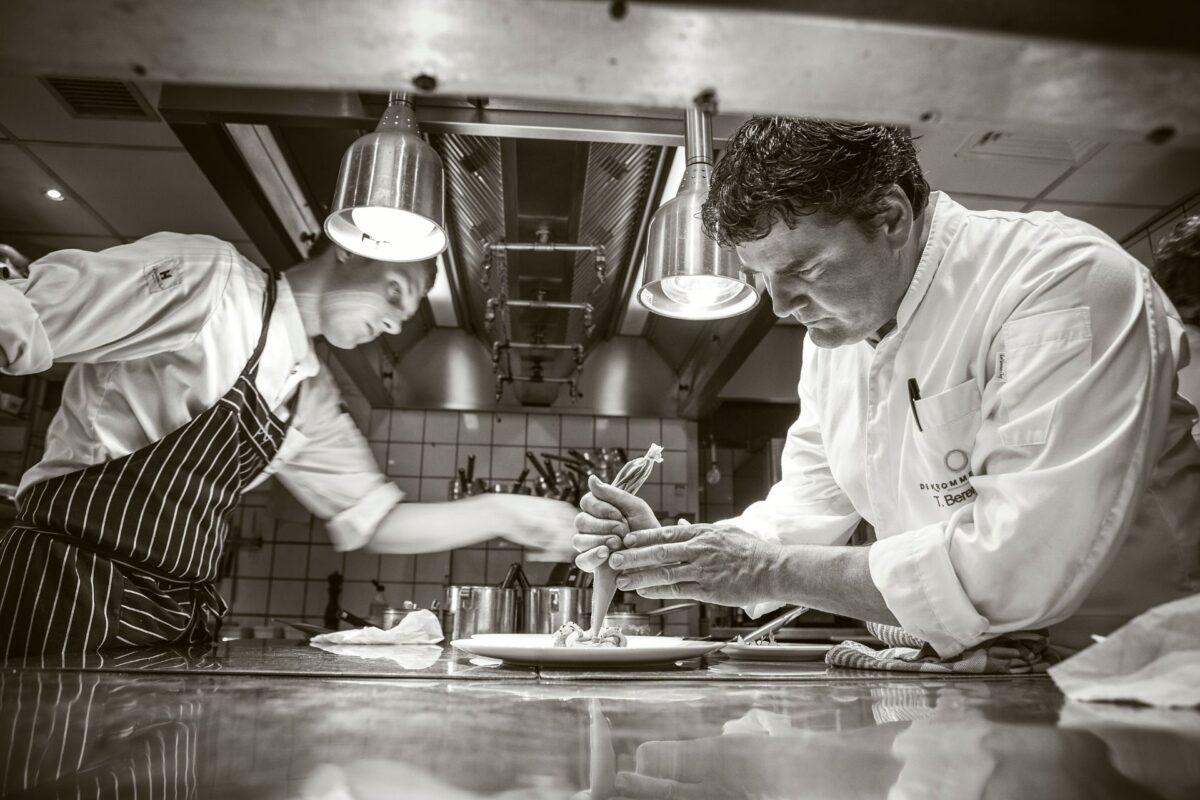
<point x="125" y="179"/>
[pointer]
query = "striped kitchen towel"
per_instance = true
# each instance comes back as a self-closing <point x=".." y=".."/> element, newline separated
<point x="1020" y="653"/>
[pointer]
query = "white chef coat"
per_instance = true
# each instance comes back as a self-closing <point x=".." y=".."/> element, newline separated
<point x="158" y="330"/>
<point x="1052" y="477"/>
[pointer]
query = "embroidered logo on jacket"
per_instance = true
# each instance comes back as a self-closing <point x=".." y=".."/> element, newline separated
<point x="164" y="275"/>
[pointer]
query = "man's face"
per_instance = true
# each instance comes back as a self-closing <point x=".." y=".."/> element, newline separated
<point x="834" y="278"/>
<point x="365" y="299"/>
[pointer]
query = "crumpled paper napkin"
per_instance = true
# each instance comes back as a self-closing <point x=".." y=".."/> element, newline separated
<point x="1153" y="659"/>
<point x="419" y="627"/>
<point x="405" y="656"/>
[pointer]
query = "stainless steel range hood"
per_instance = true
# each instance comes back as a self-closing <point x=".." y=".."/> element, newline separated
<point x="547" y="209"/>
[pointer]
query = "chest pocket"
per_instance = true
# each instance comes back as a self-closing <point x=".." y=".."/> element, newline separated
<point x="1040" y="357"/>
<point x="949" y="422"/>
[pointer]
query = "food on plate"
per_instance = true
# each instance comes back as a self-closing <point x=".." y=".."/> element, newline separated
<point x="571" y="635"/>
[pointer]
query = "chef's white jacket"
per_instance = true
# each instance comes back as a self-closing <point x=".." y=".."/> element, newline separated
<point x="152" y="352"/>
<point x="1052" y="477"/>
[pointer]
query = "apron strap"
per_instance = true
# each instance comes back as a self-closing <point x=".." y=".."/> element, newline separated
<point x="268" y="307"/>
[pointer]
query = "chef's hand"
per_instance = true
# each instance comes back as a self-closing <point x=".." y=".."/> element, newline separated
<point x="724" y="565"/>
<point x="608" y="514"/>
<point x="541" y="524"/>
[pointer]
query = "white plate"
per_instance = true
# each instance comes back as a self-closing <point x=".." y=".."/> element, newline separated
<point x="777" y="652"/>
<point x="538" y="649"/>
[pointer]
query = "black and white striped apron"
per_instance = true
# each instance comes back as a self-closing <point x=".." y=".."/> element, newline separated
<point x="126" y="552"/>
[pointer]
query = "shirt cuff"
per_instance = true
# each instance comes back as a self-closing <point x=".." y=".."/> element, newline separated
<point x="353" y="528"/>
<point x="24" y="346"/>
<point x="914" y="574"/>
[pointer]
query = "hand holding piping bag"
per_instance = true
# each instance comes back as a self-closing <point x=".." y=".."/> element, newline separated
<point x="629" y="479"/>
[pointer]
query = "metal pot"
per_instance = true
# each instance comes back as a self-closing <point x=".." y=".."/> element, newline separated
<point x="632" y="623"/>
<point x="468" y="610"/>
<point x="548" y="608"/>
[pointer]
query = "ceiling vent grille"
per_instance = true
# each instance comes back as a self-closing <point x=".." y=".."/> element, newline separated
<point x="90" y="98"/>
<point x="1016" y="145"/>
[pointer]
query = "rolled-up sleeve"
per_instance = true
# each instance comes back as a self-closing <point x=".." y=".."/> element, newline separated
<point x="24" y="347"/>
<point x="807" y="506"/>
<point x="1071" y="429"/>
<point x="331" y="470"/>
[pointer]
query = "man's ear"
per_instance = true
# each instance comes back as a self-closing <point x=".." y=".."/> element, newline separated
<point x="897" y="218"/>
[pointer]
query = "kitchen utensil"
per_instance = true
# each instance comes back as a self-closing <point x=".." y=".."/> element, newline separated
<point x="470" y="468"/>
<point x="470" y="610"/>
<point x="519" y="486"/>
<point x="713" y="476"/>
<point x="539" y="650"/>
<point x="772" y="626"/>
<point x="630" y="478"/>
<point x="463" y="482"/>
<point x="548" y="608"/>
<point x="514" y="577"/>
<point x="303" y="627"/>
<point x="355" y="620"/>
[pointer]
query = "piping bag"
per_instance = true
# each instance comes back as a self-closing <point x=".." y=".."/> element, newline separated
<point x="604" y="583"/>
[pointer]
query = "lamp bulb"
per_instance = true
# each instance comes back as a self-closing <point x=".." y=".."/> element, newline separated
<point x="391" y="224"/>
<point x="700" y="290"/>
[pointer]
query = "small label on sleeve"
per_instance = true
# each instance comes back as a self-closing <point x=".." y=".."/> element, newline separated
<point x="164" y="275"/>
<point x="1001" y="367"/>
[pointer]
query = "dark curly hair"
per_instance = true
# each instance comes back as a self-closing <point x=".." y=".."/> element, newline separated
<point x="790" y="167"/>
<point x="1177" y="266"/>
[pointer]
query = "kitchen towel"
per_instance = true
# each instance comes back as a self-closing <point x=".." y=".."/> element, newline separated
<point x="1154" y="659"/>
<point x="418" y="627"/>
<point x="1020" y="653"/>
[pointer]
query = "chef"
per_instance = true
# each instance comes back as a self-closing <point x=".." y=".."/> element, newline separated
<point x="1177" y="270"/>
<point x="992" y="391"/>
<point x="194" y="380"/>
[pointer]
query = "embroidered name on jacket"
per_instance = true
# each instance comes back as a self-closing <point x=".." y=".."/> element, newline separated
<point x="164" y="275"/>
<point x="951" y="492"/>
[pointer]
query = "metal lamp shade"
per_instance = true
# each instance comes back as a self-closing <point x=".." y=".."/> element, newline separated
<point x="389" y="204"/>
<point x="688" y="275"/>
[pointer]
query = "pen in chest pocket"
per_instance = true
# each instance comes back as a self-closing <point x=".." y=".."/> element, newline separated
<point x="914" y="394"/>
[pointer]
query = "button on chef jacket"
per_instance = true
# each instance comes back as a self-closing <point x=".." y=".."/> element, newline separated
<point x="1053" y="479"/>
<point x="158" y="330"/>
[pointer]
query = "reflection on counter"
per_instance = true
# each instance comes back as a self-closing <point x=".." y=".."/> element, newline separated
<point x="121" y="735"/>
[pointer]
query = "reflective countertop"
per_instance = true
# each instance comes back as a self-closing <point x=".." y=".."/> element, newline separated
<point x="262" y="720"/>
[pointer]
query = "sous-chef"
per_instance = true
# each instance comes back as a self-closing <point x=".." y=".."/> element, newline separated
<point x="194" y="379"/>
<point x="992" y="391"/>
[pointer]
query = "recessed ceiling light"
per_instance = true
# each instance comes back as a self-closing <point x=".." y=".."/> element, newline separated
<point x="55" y="194"/>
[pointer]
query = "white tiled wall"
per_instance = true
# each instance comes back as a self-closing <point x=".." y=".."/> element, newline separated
<point x="286" y="574"/>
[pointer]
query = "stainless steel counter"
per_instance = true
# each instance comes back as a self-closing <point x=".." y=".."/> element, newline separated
<point x="252" y="719"/>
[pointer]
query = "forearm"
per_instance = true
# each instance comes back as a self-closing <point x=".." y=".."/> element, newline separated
<point x="836" y="580"/>
<point x="434" y="527"/>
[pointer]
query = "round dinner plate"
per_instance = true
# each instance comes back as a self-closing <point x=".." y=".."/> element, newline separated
<point x="537" y="649"/>
<point x="777" y="652"/>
